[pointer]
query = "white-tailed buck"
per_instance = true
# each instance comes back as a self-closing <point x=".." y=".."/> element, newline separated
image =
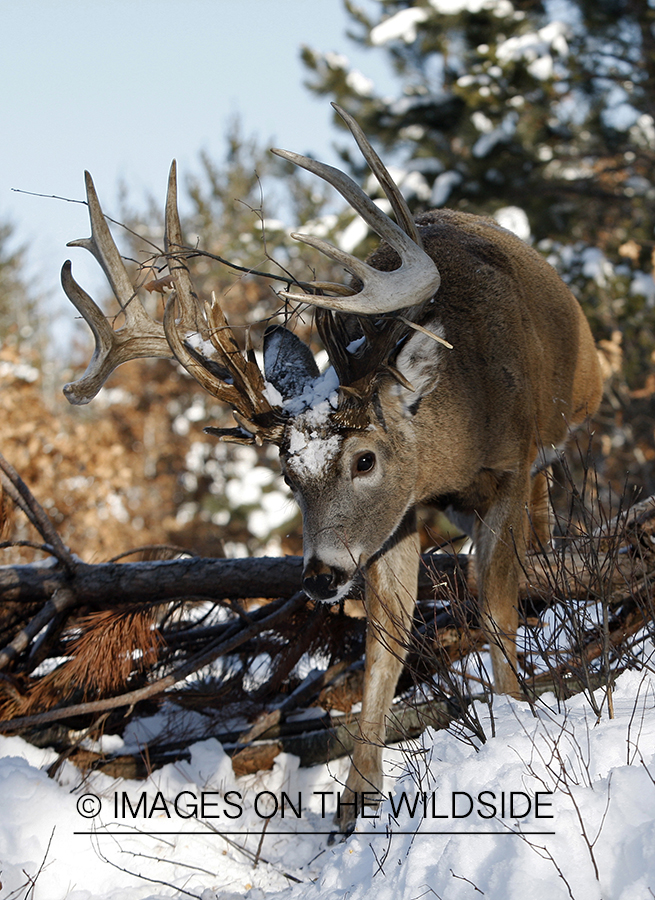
<point x="457" y="354"/>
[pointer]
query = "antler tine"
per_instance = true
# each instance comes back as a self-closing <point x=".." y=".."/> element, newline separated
<point x="140" y="336"/>
<point x="186" y="297"/>
<point x="246" y="393"/>
<point x="111" y="347"/>
<point x="399" y="205"/>
<point x="101" y="245"/>
<point x="416" y="280"/>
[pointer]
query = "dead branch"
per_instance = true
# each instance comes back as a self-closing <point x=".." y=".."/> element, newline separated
<point x="155" y="581"/>
<point x="60" y="601"/>
<point x="615" y="564"/>
<point x="16" y="488"/>
<point x="155" y="688"/>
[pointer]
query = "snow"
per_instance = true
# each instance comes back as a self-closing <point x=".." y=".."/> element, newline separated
<point x="619" y="112"/>
<point x="582" y="823"/>
<point x="107" y="397"/>
<point x="595" y="265"/>
<point x="248" y="491"/>
<point x="276" y="509"/>
<point x="514" y="219"/>
<point x="401" y="26"/>
<point x="312" y="441"/>
<point x="359" y="83"/>
<point x="415" y="184"/>
<point x="643" y="284"/>
<point x="201" y="345"/>
<point x="320" y="227"/>
<point x="482" y="122"/>
<point x="272" y="394"/>
<point x="454" y="7"/>
<point x="19" y="371"/>
<point x="443" y="185"/>
<point x="643" y="131"/>
<point x="316" y="393"/>
<point x="535" y="49"/>
<point x="352" y="235"/>
<point x="489" y="138"/>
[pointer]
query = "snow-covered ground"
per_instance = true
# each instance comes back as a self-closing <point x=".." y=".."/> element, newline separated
<point x="447" y="828"/>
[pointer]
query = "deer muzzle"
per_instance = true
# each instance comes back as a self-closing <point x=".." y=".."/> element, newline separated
<point x="323" y="583"/>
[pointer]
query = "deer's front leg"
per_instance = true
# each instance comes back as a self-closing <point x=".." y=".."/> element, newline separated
<point x="391" y="586"/>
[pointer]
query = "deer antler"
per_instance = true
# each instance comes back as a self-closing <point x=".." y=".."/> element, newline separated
<point x="399" y="205"/>
<point x="415" y="281"/>
<point x="142" y="336"/>
<point x="245" y="389"/>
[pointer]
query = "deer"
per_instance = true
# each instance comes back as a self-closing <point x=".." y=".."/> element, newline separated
<point x="458" y="360"/>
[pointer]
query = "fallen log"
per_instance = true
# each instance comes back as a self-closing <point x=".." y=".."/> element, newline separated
<point x="618" y="555"/>
<point x="109" y="584"/>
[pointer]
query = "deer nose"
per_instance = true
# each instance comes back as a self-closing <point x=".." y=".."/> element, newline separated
<point x="321" y="582"/>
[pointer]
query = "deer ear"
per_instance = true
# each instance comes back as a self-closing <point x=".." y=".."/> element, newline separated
<point x="418" y="362"/>
<point x="289" y="365"/>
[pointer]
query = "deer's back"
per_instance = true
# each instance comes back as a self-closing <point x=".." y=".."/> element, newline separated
<point x="523" y="351"/>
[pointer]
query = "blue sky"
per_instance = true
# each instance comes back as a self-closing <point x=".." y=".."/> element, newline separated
<point x="120" y="87"/>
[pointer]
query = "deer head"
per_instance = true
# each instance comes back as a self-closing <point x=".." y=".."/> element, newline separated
<point x="336" y="430"/>
<point x="350" y="458"/>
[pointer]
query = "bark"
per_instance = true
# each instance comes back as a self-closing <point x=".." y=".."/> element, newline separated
<point x="110" y="584"/>
<point x="572" y="571"/>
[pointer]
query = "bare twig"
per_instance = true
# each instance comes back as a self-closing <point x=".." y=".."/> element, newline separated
<point x="61" y="600"/>
<point x="142" y="876"/>
<point x="54" y="767"/>
<point x="25" y="500"/>
<point x="253" y="857"/>
<point x="261" y="843"/>
<point x="468" y="881"/>
<point x="154" y="548"/>
<point x="155" y="688"/>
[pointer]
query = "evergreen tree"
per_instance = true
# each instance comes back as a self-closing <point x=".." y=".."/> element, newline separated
<point x="542" y="114"/>
<point x="547" y="106"/>
<point x="19" y="318"/>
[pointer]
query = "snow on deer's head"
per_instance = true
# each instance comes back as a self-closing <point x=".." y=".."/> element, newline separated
<point x="347" y="452"/>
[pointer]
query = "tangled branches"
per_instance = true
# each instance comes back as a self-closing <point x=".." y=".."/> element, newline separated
<point x="231" y="648"/>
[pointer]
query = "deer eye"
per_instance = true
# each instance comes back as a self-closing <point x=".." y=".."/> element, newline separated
<point x="364" y="462"/>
